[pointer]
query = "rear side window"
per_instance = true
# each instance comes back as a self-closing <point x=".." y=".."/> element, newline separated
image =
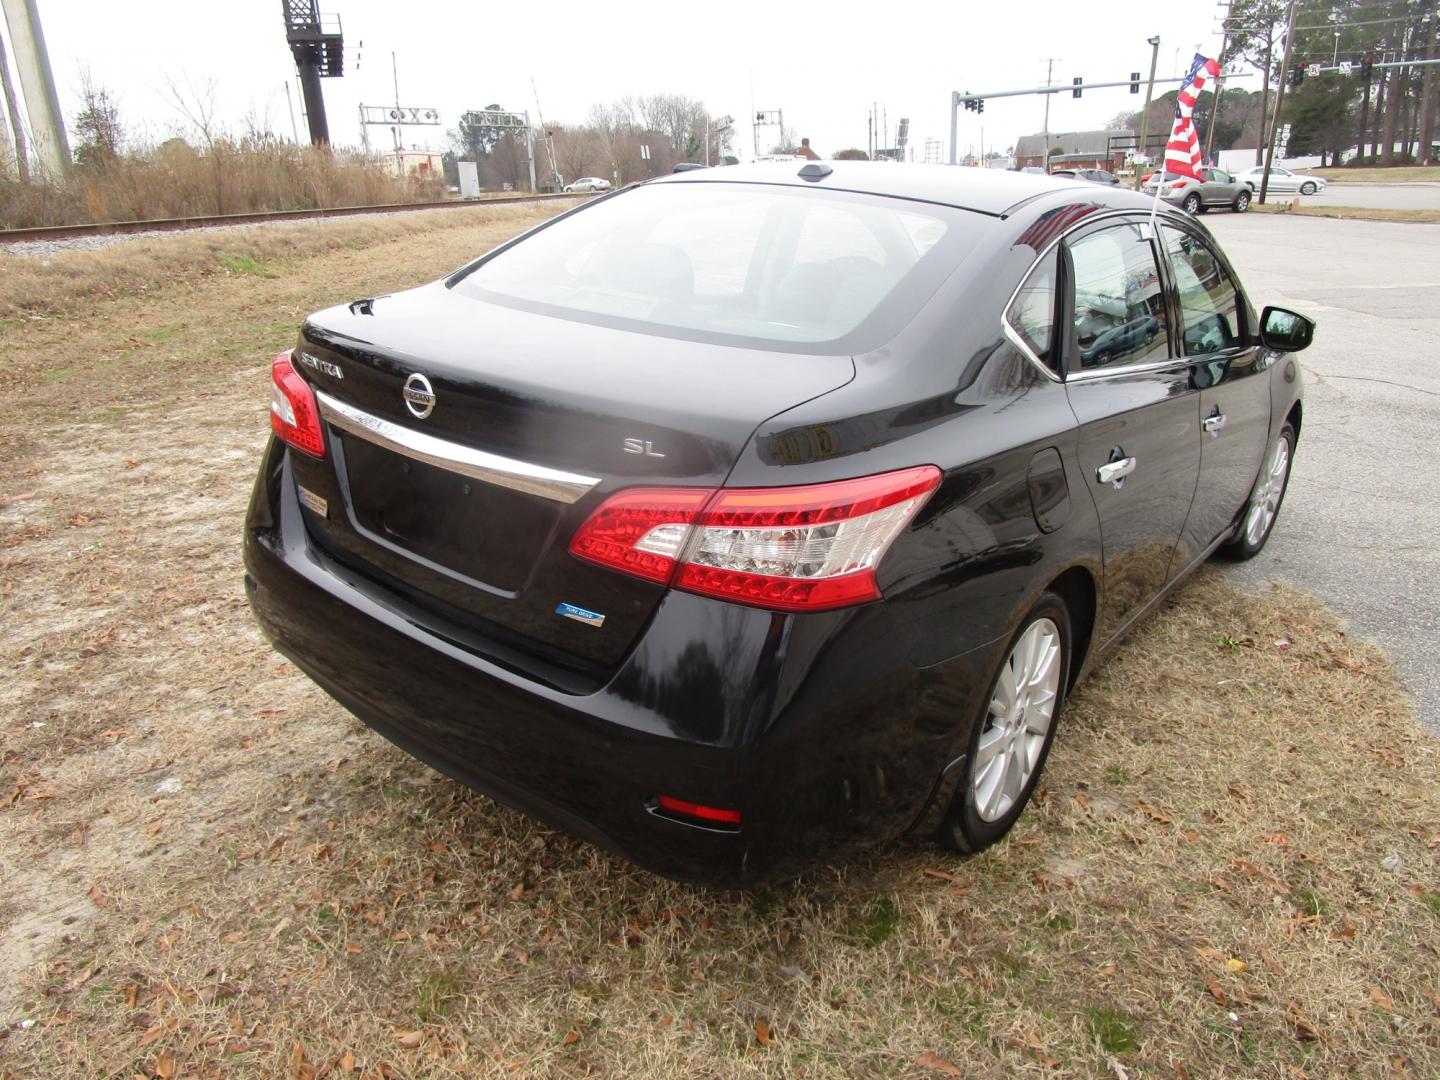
<point x="765" y="263"/>
<point x="1209" y="303"/>
<point x="1032" y="313"/>
<point x="1119" y="310"/>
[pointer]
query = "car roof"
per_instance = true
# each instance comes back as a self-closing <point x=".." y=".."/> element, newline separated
<point x="997" y="192"/>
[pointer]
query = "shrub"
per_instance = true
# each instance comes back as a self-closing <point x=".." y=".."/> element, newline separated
<point x="253" y="173"/>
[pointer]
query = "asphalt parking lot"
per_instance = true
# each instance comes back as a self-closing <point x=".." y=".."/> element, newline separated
<point x="1361" y="520"/>
<point x="1415" y="196"/>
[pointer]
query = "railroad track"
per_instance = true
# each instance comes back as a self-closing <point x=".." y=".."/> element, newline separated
<point x="117" y="228"/>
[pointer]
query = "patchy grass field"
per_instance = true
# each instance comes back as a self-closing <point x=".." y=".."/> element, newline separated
<point x="1398" y="174"/>
<point x="209" y="869"/>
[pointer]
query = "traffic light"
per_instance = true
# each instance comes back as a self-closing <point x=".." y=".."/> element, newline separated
<point x="975" y="104"/>
<point x="1297" y="76"/>
<point x="980" y="105"/>
<point x="1134" y="82"/>
<point x="1367" y="68"/>
<point x="1079" y="84"/>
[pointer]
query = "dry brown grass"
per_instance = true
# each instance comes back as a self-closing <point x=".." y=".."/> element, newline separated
<point x="1231" y="868"/>
<point x="232" y="176"/>
<point x="1396" y="175"/>
<point x="68" y="280"/>
<point x="1354" y="213"/>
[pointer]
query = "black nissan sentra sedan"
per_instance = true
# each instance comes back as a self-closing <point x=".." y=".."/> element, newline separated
<point x="749" y="514"/>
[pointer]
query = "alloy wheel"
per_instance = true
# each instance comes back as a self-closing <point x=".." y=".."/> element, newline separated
<point x="1265" y="502"/>
<point x="1018" y="721"/>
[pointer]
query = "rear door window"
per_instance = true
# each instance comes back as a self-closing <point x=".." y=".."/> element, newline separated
<point x="1119" y="309"/>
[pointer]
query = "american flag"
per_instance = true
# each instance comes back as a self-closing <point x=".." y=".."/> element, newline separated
<point x="1182" y="152"/>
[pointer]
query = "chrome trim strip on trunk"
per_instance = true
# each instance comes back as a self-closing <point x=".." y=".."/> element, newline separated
<point x="556" y="484"/>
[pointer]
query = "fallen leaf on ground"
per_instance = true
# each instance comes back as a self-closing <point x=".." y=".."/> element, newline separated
<point x="1213" y="985"/>
<point x="762" y="1031"/>
<point x="943" y="876"/>
<point x="571" y="1038"/>
<point x="165" y="1065"/>
<point x="934" y="1062"/>
<point x="1384" y="1000"/>
<point x="1235" y="965"/>
<point x="409" y="1038"/>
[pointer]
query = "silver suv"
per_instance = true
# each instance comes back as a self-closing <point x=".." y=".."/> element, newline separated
<point x="1217" y="189"/>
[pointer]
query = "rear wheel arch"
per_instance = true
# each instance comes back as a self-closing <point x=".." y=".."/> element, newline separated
<point x="1076" y="587"/>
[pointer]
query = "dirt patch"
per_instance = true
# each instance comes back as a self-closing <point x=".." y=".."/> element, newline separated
<point x="208" y="868"/>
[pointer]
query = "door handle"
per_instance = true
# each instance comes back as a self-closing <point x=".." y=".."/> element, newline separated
<point x="1114" y="472"/>
<point x="1213" y="423"/>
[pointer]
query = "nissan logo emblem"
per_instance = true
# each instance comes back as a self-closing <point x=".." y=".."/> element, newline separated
<point x="418" y="395"/>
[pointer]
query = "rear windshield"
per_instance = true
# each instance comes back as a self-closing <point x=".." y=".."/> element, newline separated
<point x="751" y="262"/>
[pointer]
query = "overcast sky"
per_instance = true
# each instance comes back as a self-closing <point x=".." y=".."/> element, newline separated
<point x="823" y="64"/>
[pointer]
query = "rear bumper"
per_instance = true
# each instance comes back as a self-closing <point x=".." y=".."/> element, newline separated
<point x="820" y="735"/>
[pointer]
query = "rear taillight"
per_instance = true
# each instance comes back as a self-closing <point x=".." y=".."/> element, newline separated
<point x="294" y="416"/>
<point x="791" y="549"/>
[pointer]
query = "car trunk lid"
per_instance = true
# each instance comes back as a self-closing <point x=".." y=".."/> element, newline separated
<point x="532" y="421"/>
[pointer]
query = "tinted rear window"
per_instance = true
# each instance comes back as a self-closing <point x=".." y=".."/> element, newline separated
<point x="752" y="262"/>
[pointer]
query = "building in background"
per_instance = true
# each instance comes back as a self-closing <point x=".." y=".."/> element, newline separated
<point x="1071" y="150"/>
<point x="423" y="163"/>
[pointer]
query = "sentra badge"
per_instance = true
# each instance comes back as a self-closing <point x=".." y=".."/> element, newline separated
<point x="314" y="363"/>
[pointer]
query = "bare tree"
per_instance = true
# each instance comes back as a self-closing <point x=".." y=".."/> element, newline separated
<point x="99" y="134"/>
<point x="197" y="106"/>
<point x="577" y="152"/>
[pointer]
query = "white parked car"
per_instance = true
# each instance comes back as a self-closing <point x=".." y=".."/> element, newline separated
<point x="589" y="183"/>
<point x="1283" y="180"/>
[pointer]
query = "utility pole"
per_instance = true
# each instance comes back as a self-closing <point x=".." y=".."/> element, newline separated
<point x="1154" y="44"/>
<point x="398" y="131"/>
<point x="1279" y="101"/>
<point x="12" y="108"/>
<point x="1219" y="83"/>
<point x="42" y="104"/>
<point x="1045" y="128"/>
<point x="290" y="106"/>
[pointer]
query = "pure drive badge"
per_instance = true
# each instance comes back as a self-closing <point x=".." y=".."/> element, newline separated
<point x="579" y="614"/>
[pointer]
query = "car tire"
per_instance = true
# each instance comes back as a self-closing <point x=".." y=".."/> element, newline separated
<point x="1263" y="507"/>
<point x="1241" y="203"/>
<point x="1011" y="737"/>
<point x="1308" y="188"/>
<point x="1191" y="203"/>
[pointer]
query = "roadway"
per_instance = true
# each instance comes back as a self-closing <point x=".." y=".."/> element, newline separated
<point x="1360" y="526"/>
<point x="1421" y="195"/>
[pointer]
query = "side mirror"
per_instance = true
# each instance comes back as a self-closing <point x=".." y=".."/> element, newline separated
<point x="1284" y="330"/>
